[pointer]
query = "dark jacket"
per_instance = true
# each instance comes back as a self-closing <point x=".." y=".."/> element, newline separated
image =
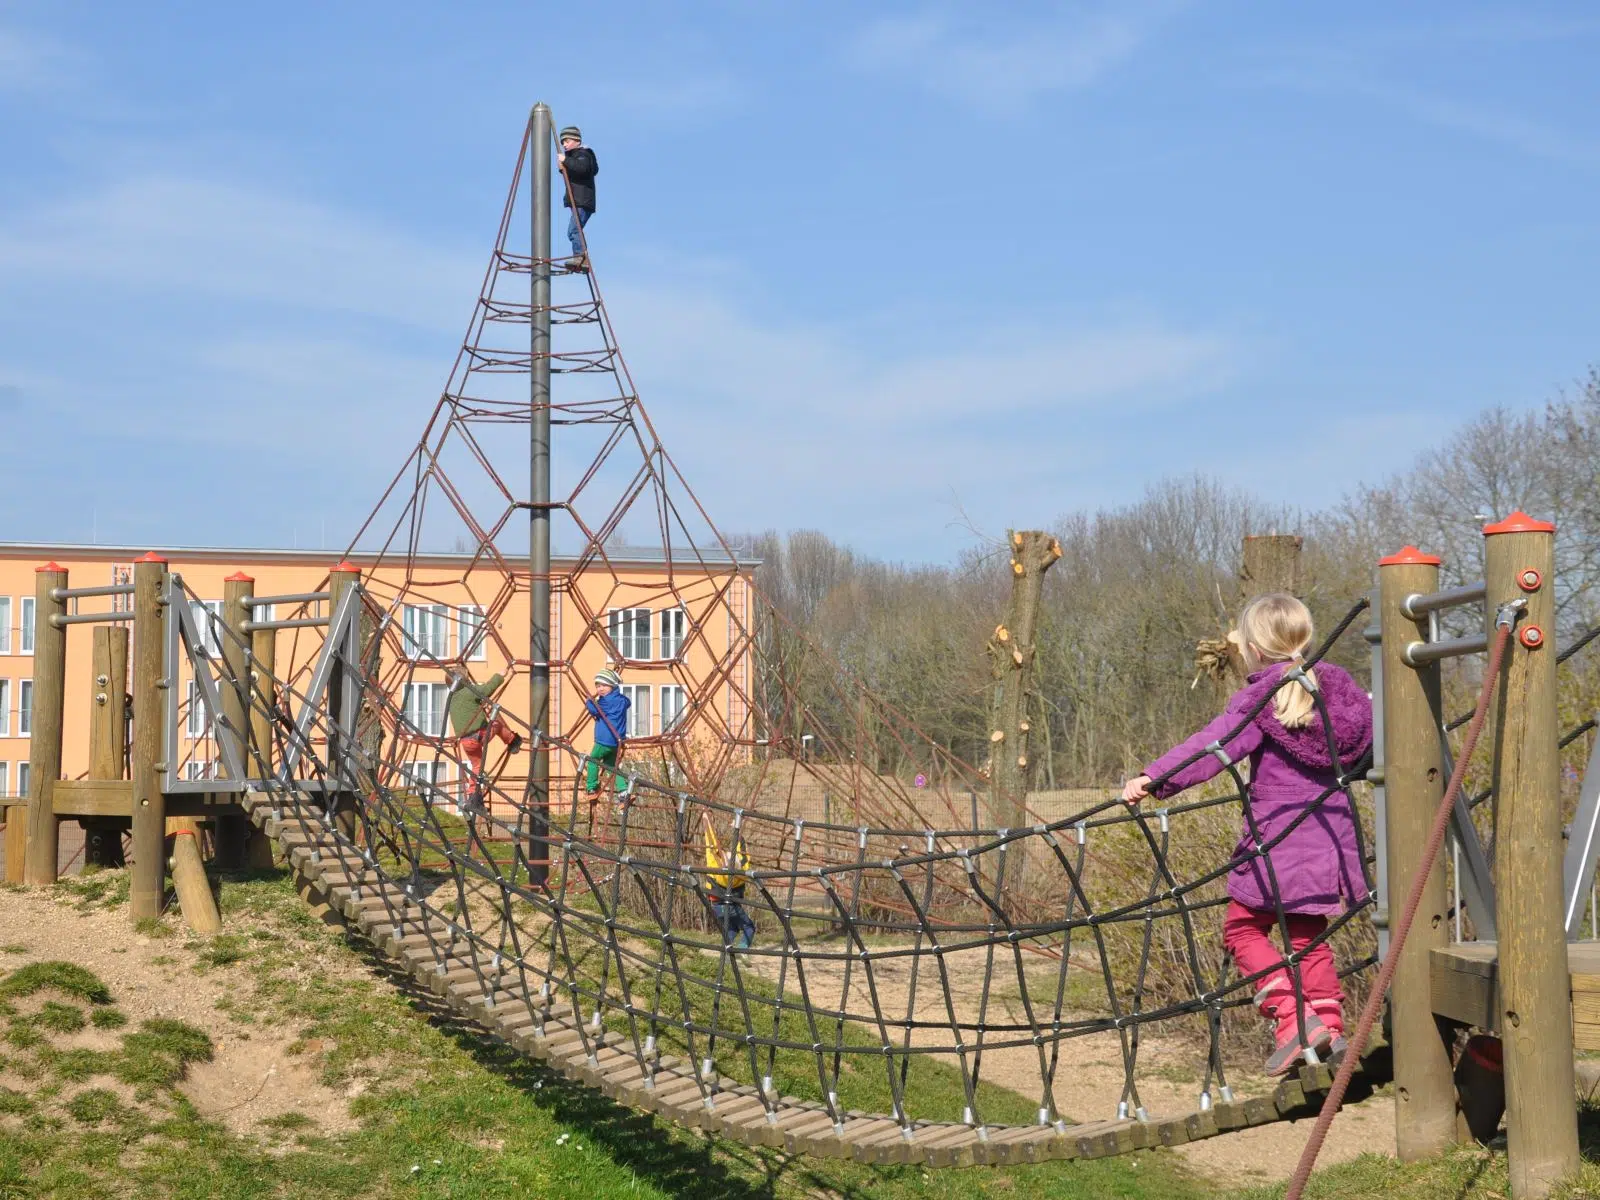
<point x="466" y="704"/>
<point x="582" y="167"/>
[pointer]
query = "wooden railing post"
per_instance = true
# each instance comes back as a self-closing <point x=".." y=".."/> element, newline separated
<point x="263" y="703"/>
<point x="234" y="685"/>
<point x="147" y="885"/>
<point x="1535" y="984"/>
<point x="1413" y="779"/>
<point x="44" y="730"/>
<point x="108" y="739"/>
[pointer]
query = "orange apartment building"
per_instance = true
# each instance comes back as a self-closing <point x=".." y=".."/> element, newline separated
<point x="676" y="633"/>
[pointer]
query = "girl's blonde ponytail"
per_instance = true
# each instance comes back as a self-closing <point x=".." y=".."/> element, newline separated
<point x="1276" y="628"/>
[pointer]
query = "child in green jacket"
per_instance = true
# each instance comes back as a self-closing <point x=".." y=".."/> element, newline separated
<point x="475" y="720"/>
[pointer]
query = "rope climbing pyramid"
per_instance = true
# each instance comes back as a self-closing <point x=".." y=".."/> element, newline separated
<point x="917" y="983"/>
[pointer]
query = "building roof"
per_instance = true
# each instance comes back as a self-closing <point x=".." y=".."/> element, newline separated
<point x="640" y="556"/>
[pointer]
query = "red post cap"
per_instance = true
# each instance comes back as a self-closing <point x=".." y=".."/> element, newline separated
<point x="1519" y="522"/>
<point x="151" y="557"/>
<point x="49" y="566"/>
<point x="1409" y="556"/>
<point x="346" y="567"/>
<point x="239" y="577"/>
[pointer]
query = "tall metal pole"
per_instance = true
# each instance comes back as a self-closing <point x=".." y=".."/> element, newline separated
<point x="540" y="136"/>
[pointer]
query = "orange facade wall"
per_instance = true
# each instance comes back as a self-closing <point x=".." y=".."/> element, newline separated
<point x="684" y="670"/>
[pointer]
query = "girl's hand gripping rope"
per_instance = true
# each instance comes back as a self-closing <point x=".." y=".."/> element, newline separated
<point x="1136" y="789"/>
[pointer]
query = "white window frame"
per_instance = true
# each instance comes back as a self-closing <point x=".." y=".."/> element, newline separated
<point x="25" y="708"/>
<point x="5" y="708"/>
<point x="25" y="624"/>
<point x="5" y="778"/>
<point x="425" y="632"/>
<point x="197" y="721"/>
<point x="200" y="768"/>
<point x="207" y="616"/>
<point x="433" y="773"/>
<point x="24" y="771"/>
<point x="472" y="634"/>
<point x="638" y="695"/>
<point x="5" y="624"/>
<point x="672" y="692"/>
<point x="630" y="621"/>
<point x="438" y="703"/>
<point x="673" y="638"/>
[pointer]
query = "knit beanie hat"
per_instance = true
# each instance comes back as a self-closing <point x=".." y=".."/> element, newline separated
<point x="609" y="677"/>
<point x="573" y="132"/>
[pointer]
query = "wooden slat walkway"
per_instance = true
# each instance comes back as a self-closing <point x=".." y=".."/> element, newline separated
<point x="492" y="994"/>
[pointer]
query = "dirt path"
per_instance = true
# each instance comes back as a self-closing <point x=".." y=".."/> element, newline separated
<point x="254" y="1076"/>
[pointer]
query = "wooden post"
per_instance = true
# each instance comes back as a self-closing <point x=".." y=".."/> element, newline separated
<point x="1270" y="563"/>
<point x="189" y="879"/>
<point x="1011" y="652"/>
<point x="263" y="703"/>
<point x="234" y="686"/>
<point x="108" y="734"/>
<point x="1413" y="776"/>
<point x="44" y="730"/>
<point x="1535" y="984"/>
<point x="147" y="886"/>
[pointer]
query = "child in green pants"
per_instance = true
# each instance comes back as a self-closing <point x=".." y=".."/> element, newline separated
<point x="609" y="708"/>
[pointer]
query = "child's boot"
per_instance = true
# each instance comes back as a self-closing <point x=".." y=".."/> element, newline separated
<point x="1279" y="1006"/>
<point x="1331" y="1014"/>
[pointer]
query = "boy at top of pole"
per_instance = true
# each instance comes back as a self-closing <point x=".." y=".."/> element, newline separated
<point x="1295" y="763"/>
<point x="476" y="718"/>
<point x="578" y="168"/>
<point x="609" y="707"/>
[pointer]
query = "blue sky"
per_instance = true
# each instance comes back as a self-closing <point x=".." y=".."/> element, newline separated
<point x="887" y="271"/>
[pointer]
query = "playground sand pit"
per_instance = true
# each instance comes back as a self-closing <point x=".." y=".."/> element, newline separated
<point x="257" y="1074"/>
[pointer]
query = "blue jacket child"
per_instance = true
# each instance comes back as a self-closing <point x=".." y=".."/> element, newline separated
<point x="610" y="711"/>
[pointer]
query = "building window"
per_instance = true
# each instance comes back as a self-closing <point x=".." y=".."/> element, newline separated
<point x="5" y="708"/>
<point x="26" y="624"/>
<point x="199" y="768"/>
<point x="199" y="720"/>
<point x="639" y="712"/>
<point x="471" y="634"/>
<point x="22" y="778"/>
<point x="5" y="624"/>
<point x="207" y="616"/>
<point x="5" y="779"/>
<point x="630" y="632"/>
<point x="424" y="707"/>
<point x="425" y="631"/>
<point x="674" y="629"/>
<point x="25" y="708"/>
<point x="264" y="612"/>
<point x="674" y="699"/>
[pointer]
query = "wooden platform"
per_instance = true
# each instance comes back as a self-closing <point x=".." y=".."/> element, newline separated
<point x="496" y="996"/>
<point x="1465" y="987"/>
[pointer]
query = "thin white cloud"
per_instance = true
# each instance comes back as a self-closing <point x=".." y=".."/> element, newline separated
<point x="163" y="233"/>
<point x="31" y="63"/>
<point x="999" y="62"/>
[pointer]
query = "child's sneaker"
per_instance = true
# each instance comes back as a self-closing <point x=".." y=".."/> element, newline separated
<point x="515" y="744"/>
<point x="625" y="792"/>
<point x="1291" y="1050"/>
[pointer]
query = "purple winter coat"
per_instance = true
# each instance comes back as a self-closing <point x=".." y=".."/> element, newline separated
<point x="1318" y="865"/>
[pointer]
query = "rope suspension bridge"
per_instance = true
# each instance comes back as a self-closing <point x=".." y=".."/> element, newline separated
<point x="925" y="984"/>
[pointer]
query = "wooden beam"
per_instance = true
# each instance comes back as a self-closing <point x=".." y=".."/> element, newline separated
<point x="147" y="887"/>
<point x="49" y="708"/>
<point x="1535" y="996"/>
<point x="1425" y="1093"/>
<point x="94" y="798"/>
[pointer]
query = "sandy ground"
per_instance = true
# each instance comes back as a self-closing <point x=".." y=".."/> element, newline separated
<point x="252" y="1077"/>
<point x="1089" y="1080"/>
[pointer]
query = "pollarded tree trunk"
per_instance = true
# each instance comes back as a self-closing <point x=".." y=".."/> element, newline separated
<point x="1268" y="563"/>
<point x="1011" y="652"/>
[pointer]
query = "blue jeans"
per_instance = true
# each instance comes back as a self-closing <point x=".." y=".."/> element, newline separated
<point x="575" y="223"/>
<point x="735" y="922"/>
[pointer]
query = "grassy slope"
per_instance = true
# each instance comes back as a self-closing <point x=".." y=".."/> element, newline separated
<point x="451" y="1113"/>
